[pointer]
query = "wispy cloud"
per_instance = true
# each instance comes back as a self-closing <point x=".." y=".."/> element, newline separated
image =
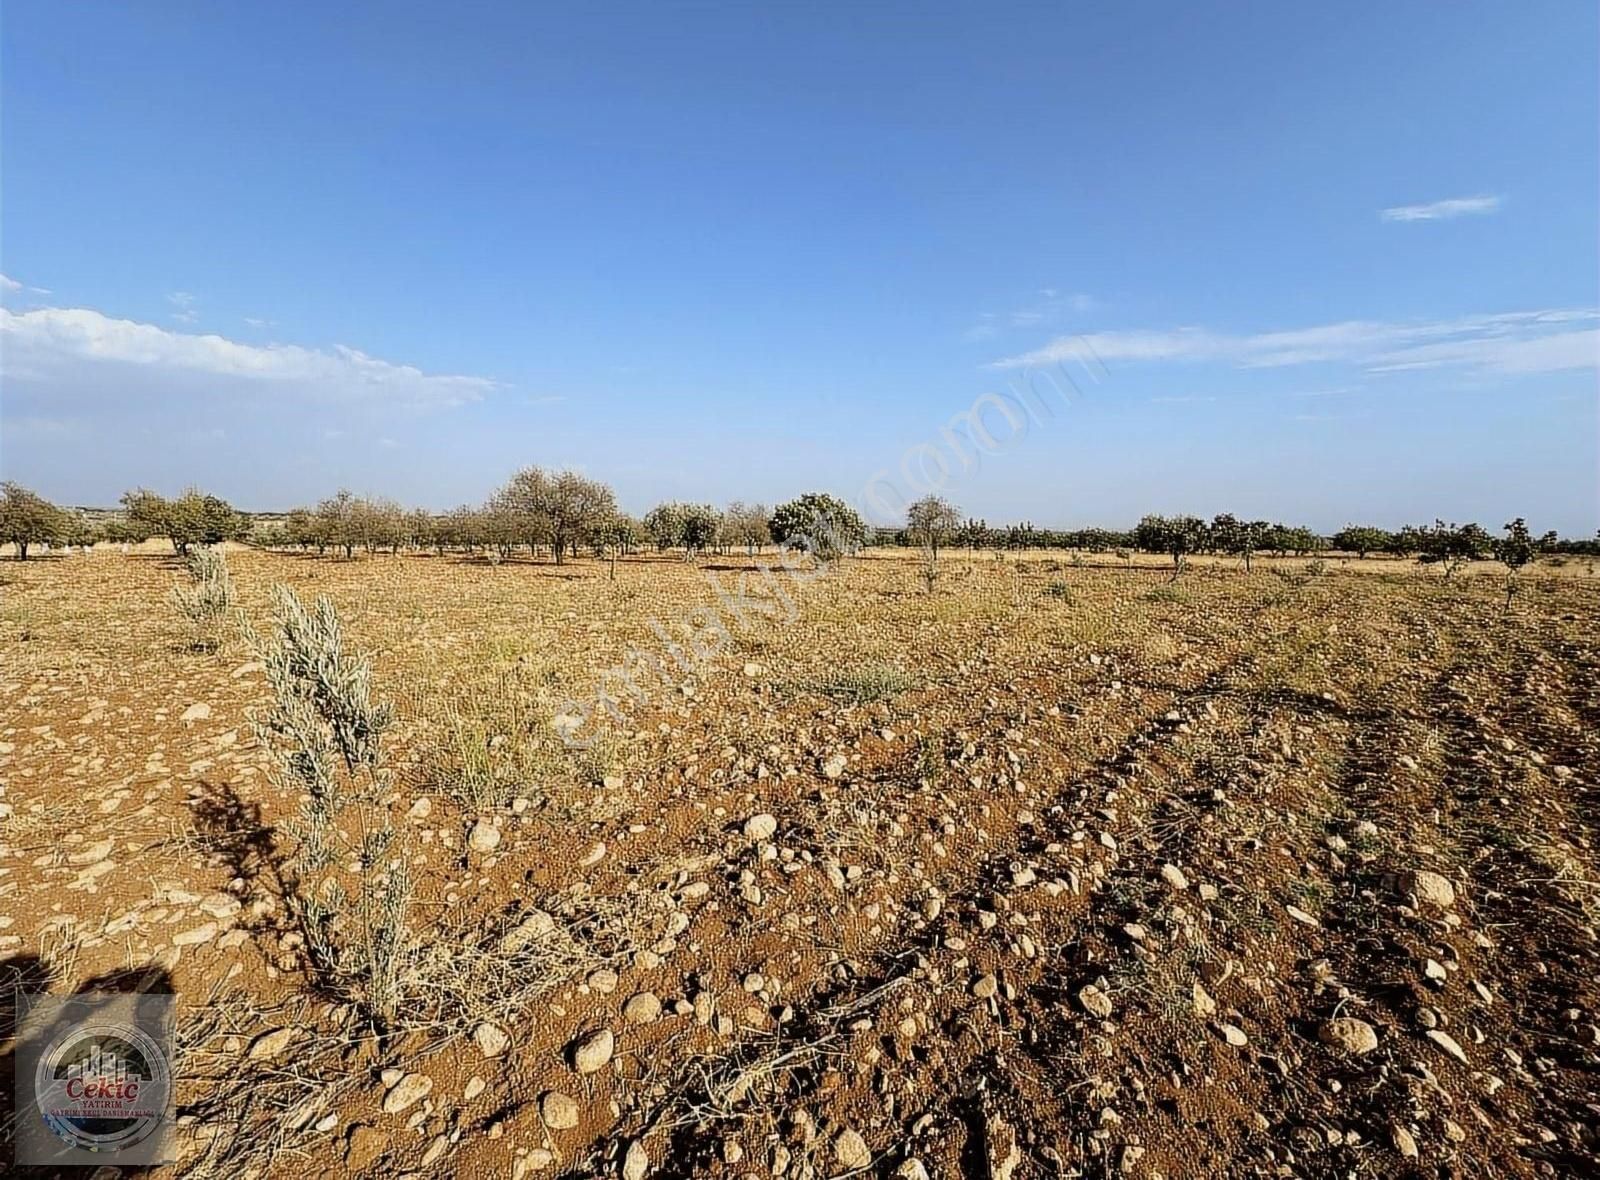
<point x="186" y="312"/>
<point x="9" y="284"/>
<point x="72" y="348"/>
<point x="1050" y="307"/>
<point x="1441" y="210"/>
<point x="1511" y="342"/>
<point x="1182" y="399"/>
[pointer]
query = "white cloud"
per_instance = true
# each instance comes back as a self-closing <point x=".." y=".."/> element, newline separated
<point x="1052" y="307"/>
<point x="72" y="347"/>
<point x="185" y="303"/>
<point x="1512" y="342"/>
<point x="7" y="283"/>
<point x="1441" y="210"/>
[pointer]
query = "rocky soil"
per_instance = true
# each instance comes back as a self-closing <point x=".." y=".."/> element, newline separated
<point x="1059" y="871"/>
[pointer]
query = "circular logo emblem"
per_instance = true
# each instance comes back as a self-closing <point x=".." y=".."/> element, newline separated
<point x="102" y="1087"/>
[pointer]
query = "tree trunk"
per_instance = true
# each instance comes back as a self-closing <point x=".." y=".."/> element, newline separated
<point x="22" y="551"/>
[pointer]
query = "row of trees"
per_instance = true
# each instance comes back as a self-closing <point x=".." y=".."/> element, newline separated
<point x="194" y="518"/>
<point x="564" y="513"/>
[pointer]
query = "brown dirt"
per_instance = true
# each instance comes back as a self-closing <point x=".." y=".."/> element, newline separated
<point x="1027" y="750"/>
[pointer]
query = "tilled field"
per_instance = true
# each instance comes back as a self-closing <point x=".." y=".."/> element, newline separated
<point x="1060" y="870"/>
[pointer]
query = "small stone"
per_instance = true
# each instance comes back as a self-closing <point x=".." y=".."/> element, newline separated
<point x="753" y="670"/>
<point x="596" y="854"/>
<point x="1431" y="889"/>
<point x="851" y="1150"/>
<point x="411" y="1088"/>
<point x="911" y="1169"/>
<point x="270" y="1045"/>
<point x="1447" y="1043"/>
<point x="985" y="986"/>
<point x="834" y="767"/>
<point x="485" y="837"/>
<point x="1233" y="1034"/>
<point x="636" y="1161"/>
<point x="761" y="827"/>
<point x="593" y="1051"/>
<point x="195" y="937"/>
<point x="643" y="1008"/>
<point x="220" y="905"/>
<point x="1299" y="915"/>
<point x="559" y="1111"/>
<point x="199" y="711"/>
<point x="1348" y="1033"/>
<point x="475" y="1086"/>
<point x="491" y="1040"/>
<point x="1403" y="1141"/>
<point x="90" y="853"/>
<point x="1204" y="1006"/>
<point x="533" y="927"/>
<point x="421" y="809"/>
<point x="1174" y="877"/>
<point x="363" y="1145"/>
<point x="1095" y="1002"/>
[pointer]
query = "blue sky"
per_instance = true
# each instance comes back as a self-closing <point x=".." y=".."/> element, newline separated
<point x="1336" y="262"/>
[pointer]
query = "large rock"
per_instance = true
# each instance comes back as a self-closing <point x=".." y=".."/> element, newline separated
<point x="408" y="1091"/>
<point x="364" y="1145"/>
<point x="1431" y="888"/>
<point x="851" y="1150"/>
<point x="270" y="1045"/>
<point x="491" y="1040"/>
<point x="532" y="928"/>
<point x="559" y="1111"/>
<point x="1347" y="1033"/>
<point x="1095" y="1002"/>
<point x="485" y="837"/>
<point x="642" y="1008"/>
<point x="593" y="1051"/>
<point x="761" y="827"/>
<point x="636" y="1161"/>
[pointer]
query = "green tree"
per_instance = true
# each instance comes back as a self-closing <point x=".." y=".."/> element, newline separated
<point x="1514" y="551"/>
<point x="1240" y="538"/>
<point x="1362" y="539"/>
<point x="1178" y="536"/>
<point x="823" y="525"/>
<point x="1453" y="546"/>
<point x="664" y="523"/>
<point x="931" y="522"/>
<point x="698" y="528"/>
<point x="27" y="519"/>
<point x="746" y="524"/>
<point x="194" y="518"/>
<point x="338" y="522"/>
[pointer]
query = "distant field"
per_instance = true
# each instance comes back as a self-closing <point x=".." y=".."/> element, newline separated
<point x="1124" y="846"/>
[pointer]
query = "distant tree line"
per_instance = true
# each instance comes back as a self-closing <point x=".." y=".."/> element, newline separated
<point x="562" y="514"/>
